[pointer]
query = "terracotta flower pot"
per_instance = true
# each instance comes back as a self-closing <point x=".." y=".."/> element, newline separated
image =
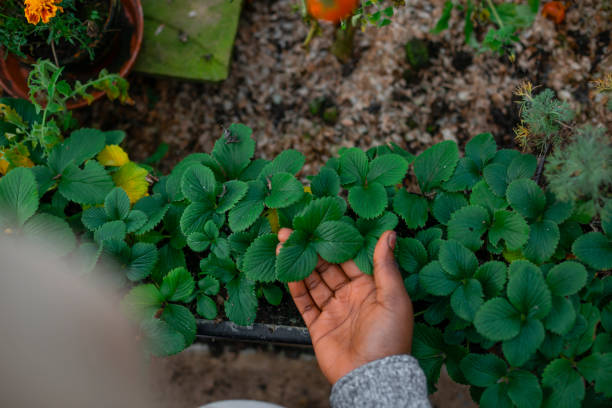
<point x="119" y="57"/>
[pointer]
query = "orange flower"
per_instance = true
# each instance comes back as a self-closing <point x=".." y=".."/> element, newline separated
<point x="36" y="10"/>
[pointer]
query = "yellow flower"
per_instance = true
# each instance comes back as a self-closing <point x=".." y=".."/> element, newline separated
<point x="113" y="155"/>
<point x="133" y="179"/>
<point x="36" y="10"/>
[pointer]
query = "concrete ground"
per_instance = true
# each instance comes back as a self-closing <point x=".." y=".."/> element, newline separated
<point x="291" y="378"/>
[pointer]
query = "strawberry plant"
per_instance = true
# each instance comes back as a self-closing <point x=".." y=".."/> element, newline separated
<point x="511" y="280"/>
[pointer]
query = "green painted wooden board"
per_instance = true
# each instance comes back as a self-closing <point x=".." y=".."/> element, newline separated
<point x="189" y="39"/>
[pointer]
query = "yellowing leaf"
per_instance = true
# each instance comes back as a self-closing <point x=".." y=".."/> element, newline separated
<point x="113" y="155"/>
<point x="307" y="189"/>
<point x="273" y="219"/>
<point x="132" y="179"/>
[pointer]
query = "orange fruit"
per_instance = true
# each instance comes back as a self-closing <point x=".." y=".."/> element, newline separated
<point x="331" y="10"/>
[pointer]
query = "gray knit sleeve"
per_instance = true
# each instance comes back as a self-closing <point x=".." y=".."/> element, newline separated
<point x="391" y="382"/>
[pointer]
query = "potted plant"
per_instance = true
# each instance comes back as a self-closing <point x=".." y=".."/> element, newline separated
<point x="84" y="37"/>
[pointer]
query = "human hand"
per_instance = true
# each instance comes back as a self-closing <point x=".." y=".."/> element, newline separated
<point x="354" y="318"/>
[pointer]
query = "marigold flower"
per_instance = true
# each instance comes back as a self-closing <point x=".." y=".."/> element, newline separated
<point x="36" y="10"/>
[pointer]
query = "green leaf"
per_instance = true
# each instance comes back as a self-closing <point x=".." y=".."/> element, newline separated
<point x="318" y="211"/>
<point x="353" y="167"/>
<point x="112" y="230"/>
<point x="527" y="290"/>
<point x="161" y="339"/>
<point x="154" y="207"/>
<point x="297" y="258"/>
<point x="483" y="370"/>
<point x="49" y="231"/>
<point x="374" y="228"/>
<point x="497" y="320"/>
<point x="177" y="285"/>
<point x="388" y="170"/>
<point x="18" y="197"/>
<point x="543" y="239"/>
<point x="117" y="204"/>
<point x="445" y="204"/>
<point x="566" y="386"/>
<point x="241" y="304"/>
<point x="143" y="301"/>
<point x="209" y="285"/>
<point x="467" y="299"/>
<point x="442" y="23"/>
<point x="87" y="186"/>
<point x="273" y="294"/>
<point x="598" y="368"/>
<point x="481" y="149"/>
<point x="83" y="144"/>
<point x="412" y="208"/>
<point x="285" y="190"/>
<point x="368" y="201"/>
<point x="206" y="307"/>
<point x="594" y="249"/>
<point x="198" y="184"/>
<point x="524" y="389"/>
<point x="492" y="276"/>
<point x="427" y="347"/>
<point x="510" y="227"/>
<point x="221" y="269"/>
<point x="435" y="281"/>
<point x="467" y="226"/>
<point x="326" y="183"/>
<point x="495" y="175"/>
<point x="336" y="241"/>
<point x="566" y="278"/>
<point x="410" y="254"/>
<point x="234" y="150"/>
<point x="135" y="220"/>
<point x="496" y="396"/>
<point x="260" y="259"/>
<point x="44" y="178"/>
<point x="484" y="197"/>
<point x="522" y="166"/>
<point x="436" y="165"/>
<point x="142" y="261"/>
<point x="526" y="197"/>
<point x="520" y="348"/>
<point x="233" y="191"/>
<point x="562" y="316"/>
<point x="288" y="161"/>
<point x="247" y="210"/>
<point x="195" y="216"/>
<point x="179" y="318"/>
<point x="557" y="211"/>
<point x="466" y="175"/>
<point x="606" y="317"/>
<point x="457" y="260"/>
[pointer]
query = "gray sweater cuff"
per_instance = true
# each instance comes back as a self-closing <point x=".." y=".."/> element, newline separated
<point x="393" y="382"/>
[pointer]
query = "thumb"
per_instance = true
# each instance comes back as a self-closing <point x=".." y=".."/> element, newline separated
<point x="387" y="276"/>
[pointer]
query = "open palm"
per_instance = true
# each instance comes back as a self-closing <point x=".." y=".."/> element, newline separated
<point x="354" y="318"/>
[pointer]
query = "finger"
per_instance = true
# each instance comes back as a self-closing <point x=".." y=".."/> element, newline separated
<point x="304" y="303"/>
<point x="351" y="270"/>
<point x="332" y="275"/>
<point x="283" y="235"/>
<point x="319" y="292"/>
<point x="387" y="276"/>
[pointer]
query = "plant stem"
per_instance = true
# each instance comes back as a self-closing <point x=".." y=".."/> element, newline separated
<point x="541" y="161"/>
<point x="313" y="29"/>
<point x="495" y="14"/>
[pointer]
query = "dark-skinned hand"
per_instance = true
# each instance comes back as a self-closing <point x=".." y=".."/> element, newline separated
<point x="354" y="318"/>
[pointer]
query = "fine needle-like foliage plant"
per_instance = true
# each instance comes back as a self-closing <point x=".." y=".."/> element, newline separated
<point x="511" y="283"/>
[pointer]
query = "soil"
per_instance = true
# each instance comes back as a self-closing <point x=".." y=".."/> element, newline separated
<point x="273" y="80"/>
<point x="286" y="376"/>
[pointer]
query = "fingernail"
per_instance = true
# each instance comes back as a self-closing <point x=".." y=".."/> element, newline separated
<point x="391" y="240"/>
